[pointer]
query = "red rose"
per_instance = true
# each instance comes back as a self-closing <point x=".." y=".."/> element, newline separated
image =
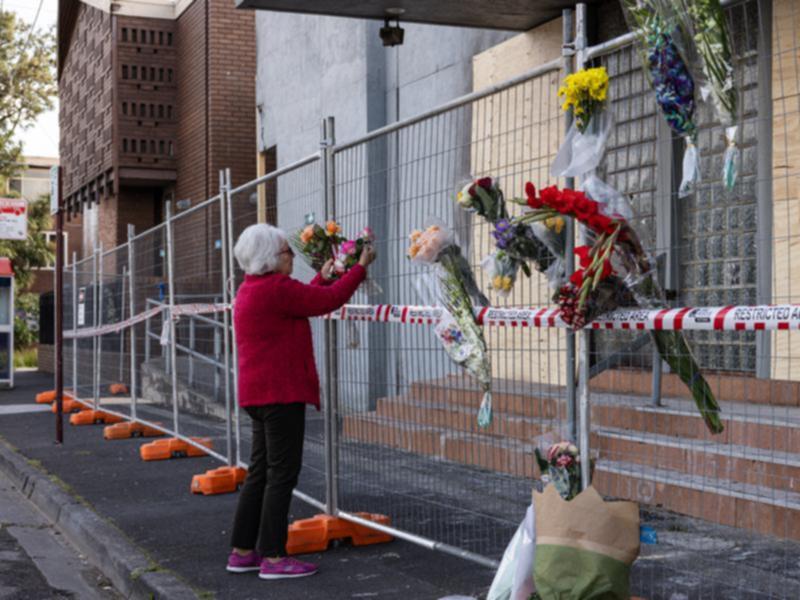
<point x="607" y="269"/>
<point x="485" y="183"/>
<point x="533" y="201"/>
<point x="583" y="206"/>
<point x="577" y="278"/>
<point x="601" y="223"/>
<point x="583" y="254"/>
<point x="471" y="190"/>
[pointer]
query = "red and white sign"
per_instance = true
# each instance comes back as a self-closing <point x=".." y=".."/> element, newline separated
<point x="13" y="219"/>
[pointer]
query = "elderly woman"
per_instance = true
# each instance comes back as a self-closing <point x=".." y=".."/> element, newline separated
<point x="277" y="378"/>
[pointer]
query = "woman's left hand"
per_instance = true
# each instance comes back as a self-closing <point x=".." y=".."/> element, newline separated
<point x="326" y="272"/>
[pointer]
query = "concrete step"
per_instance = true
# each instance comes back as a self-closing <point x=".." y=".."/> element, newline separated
<point x="726" y="387"/>
<point x="720" y="499"/>
<point x="702" y="458"/>
<point x="462" y="418"/>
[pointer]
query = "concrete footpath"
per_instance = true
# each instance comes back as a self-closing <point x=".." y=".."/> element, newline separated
<point x="143" y="529"/>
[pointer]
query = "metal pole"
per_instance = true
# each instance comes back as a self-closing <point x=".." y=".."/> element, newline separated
<point x="122" y="332"/>
<point x="95" y="390"/>
<point x="191" y="347"/>
<point x="568" y="53"/>
<point x="99" y="374"/>
<point x="74" y="325"/>
<point x="226" y="319"/>
<point x="171" y="286"/>
<point x="231" y="295"/>
<point x="132" y="311"/>
<point x="585" y="334"/>
<point x="331" y="358"/>
<point x="59" y="320"/>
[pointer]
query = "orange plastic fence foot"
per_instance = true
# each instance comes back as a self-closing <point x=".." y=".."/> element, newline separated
<point x="218" y="481"/>
<point x="130" y="429"/>
<point x="94" y="417"/>
<point x="316" y="534"/>
<point x="50" y="396"/>
<point x="69" y="405"/>
<point x="173" y="448"/>
<point x="116" y="389"/>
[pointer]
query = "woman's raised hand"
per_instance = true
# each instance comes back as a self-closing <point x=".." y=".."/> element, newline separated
<point x="326" y="272"/>
<point x="367" y="256"/>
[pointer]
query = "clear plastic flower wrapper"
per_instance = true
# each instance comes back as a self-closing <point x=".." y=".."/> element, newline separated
<point x="514" y="577"/>
<point x="502" y="271"/>
<point x="450" y="282"/>
<point x="584" y="93"/>
<point x="711" y="64"/>
<point x="661" y="41"/>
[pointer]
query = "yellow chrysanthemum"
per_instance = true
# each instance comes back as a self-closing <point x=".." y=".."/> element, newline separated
<point x="497" y="282"/>
<point x="555" y="224"/>
<point x="584" y="93"/>
<point x="507" y="283"/>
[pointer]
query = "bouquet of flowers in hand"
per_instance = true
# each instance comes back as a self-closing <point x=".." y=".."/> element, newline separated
<point x="453" y="284"/>
<point x="316" y="244"/>
<point x="616" y="271"/>
<point x="672" y="81"/>
<point x="516" y="243"/>
<point x="562" y="468"/>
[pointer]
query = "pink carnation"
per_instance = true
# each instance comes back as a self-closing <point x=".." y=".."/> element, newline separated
<point x="348" y="247"/>
<point x="565" y="460"/>
<point x="368" y="234"/>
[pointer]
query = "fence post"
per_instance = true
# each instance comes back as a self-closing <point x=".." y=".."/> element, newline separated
<point x="132" y="311"/>
<point x="226" y="319"/>
<point x="171" y="303"/>
<point x="568" y="53"/>
<point x="331" y="337"/>
<point x="74" y="325"/>
<point x="122" y="331"/>
<point x="229" y="286"/>
<point x="585" y="334"/>
<point x="191" y="351"/>
<point x="95" y="322"/>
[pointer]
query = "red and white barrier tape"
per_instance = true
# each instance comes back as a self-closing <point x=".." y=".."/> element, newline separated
<point x="177" y="311"/>
<point x="728" y="318"/>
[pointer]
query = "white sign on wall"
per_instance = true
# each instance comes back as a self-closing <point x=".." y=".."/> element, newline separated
<point x="13" y="219"/>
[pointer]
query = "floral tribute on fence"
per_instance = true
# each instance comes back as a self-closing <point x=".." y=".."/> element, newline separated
<point x="450" y="280"/>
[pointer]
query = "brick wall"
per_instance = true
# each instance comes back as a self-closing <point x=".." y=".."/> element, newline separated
<point x="191" y="100"/>
<point x="85" y="95"/>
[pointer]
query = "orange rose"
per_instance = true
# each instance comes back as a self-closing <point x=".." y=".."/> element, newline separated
<point x="332" y="227"/>
<point x="415" y="235"/>
<point x="412" y="250"/>
<point x="307" y="234"/>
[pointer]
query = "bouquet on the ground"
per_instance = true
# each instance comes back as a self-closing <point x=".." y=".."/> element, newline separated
<point x="516" y="243"/>
<point x="452" y="283"/>
<point x="614" y="270"/>
<point x="584" y="94"/>
<point x="672" y="82"/>
<point x="584" y="546"/>
<point x="712" y="67"/>
<point x="316" y="244"/>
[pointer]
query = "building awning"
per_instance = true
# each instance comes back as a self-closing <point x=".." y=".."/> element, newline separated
<point x="6" y="270"/>
<point x="510" y="15"/>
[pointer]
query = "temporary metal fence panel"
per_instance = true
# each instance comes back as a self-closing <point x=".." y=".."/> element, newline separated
<point x="408" y="441"/>
<point x="288" y="196"/>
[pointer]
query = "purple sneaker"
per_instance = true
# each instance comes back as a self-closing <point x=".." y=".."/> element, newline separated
<point x="285" y="568"/>
<point x="243" y="564"/>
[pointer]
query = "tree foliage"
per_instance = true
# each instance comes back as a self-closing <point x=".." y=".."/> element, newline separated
<point x="27" y="83"/>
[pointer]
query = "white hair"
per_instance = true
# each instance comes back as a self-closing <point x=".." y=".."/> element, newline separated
<point x="258" y="248"/>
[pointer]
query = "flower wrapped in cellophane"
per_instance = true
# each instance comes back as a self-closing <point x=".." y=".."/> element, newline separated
<point x="584" y="94"/>
<point x="450" y="281"/>
<point x="661" y="39"/>
<point x="316" y="244"/>
<point x="516" y="244"/>
<point x="347" y="256"/>
<point x="614" y="270"/>
<point x="712" y="67"/>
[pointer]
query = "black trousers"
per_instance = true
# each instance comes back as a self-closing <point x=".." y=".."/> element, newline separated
<point x="262" y="516"/>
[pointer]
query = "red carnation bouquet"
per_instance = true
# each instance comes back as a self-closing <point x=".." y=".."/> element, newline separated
<point x="614" y="270"/>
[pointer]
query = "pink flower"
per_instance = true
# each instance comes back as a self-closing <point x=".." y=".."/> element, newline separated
<point x="565" y="460"/>
<point x="368" y="234"/>
<point x="348" y="247"/>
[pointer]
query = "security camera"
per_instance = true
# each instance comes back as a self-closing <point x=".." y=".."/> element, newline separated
<point x="392" y="36"/>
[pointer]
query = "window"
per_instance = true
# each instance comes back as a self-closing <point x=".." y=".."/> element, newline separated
<point x="169" y="74"/>
<point x="152" y="111"/>
<point x="133" y="35"/>
<point x="125" y="108"/>
<point x="124" y="144"/>
<point x="134" y="72"/>
<point x="161" y="147"/>
<point x="124" y="34"/>
<point x="160" y="111"/>
<point x="124" y="71"/>
<point x="142" y="146"/>
<point x="169" y="111"/>
<point x="152" y="73"/>
<point x="169" y="39"/>
<point x="161" y="38"/>
<point x="152" y="37"/>
<point x="161" y="74"/>
<point x="171" y="149"/>
<point x="50" y="237"/>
